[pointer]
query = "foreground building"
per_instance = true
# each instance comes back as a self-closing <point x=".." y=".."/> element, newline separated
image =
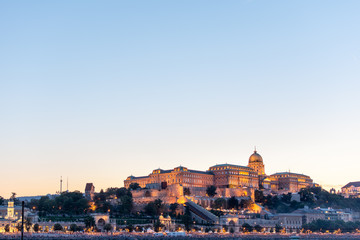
<point x="10" y="216"/>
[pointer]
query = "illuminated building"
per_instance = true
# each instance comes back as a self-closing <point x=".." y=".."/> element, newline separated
<point x="223" y="176"/>
<point x="352" y="189"/>
<point x="289" y="182"/>
<point x="160" y="178"/>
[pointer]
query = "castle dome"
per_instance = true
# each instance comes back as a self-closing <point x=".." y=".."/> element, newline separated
<point x="255" y="157"/>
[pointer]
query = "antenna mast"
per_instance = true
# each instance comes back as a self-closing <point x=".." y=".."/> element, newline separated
<point x="60" y="184"/>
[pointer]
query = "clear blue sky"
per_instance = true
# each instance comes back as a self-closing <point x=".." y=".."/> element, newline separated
<point x="98" y="90"/>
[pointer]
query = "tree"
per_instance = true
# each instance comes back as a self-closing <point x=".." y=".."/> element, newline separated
<point x="57" y="227"/>
<point x="14" y="199"/>
<point x="154" y="208"/>
<point x="159" y="206"/>
<point x="13" y="196"/>
<point x="286" y="198"/>
<point x="332" y="226"/>
<point x="211" y="191"/>
<point x="247" y="227"/>
<point x="1" y="200"/>
<point x="278" y="228"/>
<point x="28" y="224"/>
<point x="219" y="203"/>
<point x="73" y="227"/>
<point x="158" y="226"/>
<point x="186" y="219"/>
<point x="150" y="209"/>
<point x="245" y="203"/>
<point x="18" y="226"/>
<point x="36" y="227"/>
<point x="89" y="222"/>
<point x="70" y="203"/>
<point x="259" y="196"/>
<point x="108" y="227"/>
<point x="232" y="230"/>
<point x="173" y="207"/>
<point x="134" y="186"/>
<point x="187" y="191"/>
<point x="233" y="203"/>
<point x="258" y="228"/>
<point x="130" y="228"/>
<point x="7" y="228"/>
<point x="139" y="229"/>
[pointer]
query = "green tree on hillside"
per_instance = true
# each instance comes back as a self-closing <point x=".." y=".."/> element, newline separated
<point x="134" y="186"/>
<point x="186" y="219"/>
<point x="233" y="203"/>
<point x="219" y="203"/>
<point x="187" y="191"/>
<point x="211" y="191"/>
<point x="89" y="222"/>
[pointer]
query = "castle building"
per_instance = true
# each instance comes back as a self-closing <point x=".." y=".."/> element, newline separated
<point x="223" y="176"/>
<point x="160" y="178"/>
<point x="289" y="182"/>
<point x="234" y="176"/>
<point x="256" y="163"/>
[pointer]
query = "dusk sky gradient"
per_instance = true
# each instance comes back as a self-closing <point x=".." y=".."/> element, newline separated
<point x="98" y="90"/>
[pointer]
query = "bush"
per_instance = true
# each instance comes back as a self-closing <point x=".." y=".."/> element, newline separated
<point x="247" y="227"/>
<point x="36" y="227"/>
<point x="73" y="227"/>
<point x="130" y="227"/>
<point x="57" y="227"/>
<point x="258" y="228"/>
<point x="108" y="227"/>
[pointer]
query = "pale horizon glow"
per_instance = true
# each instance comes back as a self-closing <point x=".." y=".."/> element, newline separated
<point x="96" y="91"/>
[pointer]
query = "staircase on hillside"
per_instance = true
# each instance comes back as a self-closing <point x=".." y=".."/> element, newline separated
<point x="201" y="212"/>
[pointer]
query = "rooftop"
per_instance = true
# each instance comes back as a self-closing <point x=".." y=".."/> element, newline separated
<point x="89" y="186"/>
<point x="355" y="184"/>
<point x="230" y="165"/>
<point x="281" y="173"/>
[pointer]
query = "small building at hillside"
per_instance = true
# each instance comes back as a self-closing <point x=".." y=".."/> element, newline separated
<point x="352" y="189"/>
<point x="10" y="216"/>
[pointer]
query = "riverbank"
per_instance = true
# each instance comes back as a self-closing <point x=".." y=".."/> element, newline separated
<point x="142" y="236"/>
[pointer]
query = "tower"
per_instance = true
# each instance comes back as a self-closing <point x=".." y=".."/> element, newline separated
<point x="10" y="211"/>
<point x="60" y="184"/>
<point x="256" y="163"/>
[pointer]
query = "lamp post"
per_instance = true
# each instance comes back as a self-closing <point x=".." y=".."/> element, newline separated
<point x="22" y="220"/>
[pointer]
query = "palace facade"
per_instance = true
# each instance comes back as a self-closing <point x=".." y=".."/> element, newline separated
<point x="289" y="182"/>
<point x="224" y="176"/>
<point x="160" y="178"/>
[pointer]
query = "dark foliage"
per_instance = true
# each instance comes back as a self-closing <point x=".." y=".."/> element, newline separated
<point x="331" y="226"/>
<point x="211" y="191"/>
